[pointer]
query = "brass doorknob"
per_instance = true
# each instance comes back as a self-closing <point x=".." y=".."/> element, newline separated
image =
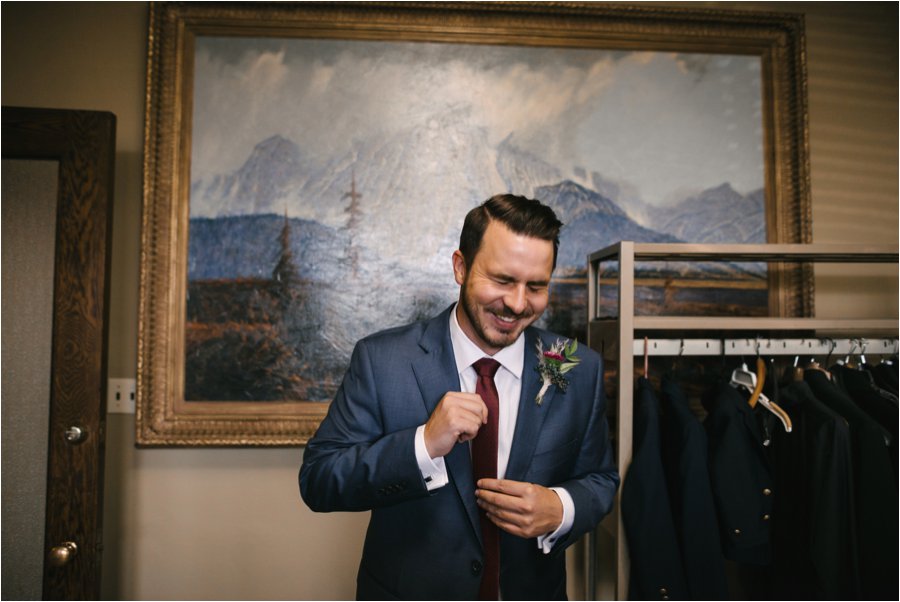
<point x="62" y="554"/>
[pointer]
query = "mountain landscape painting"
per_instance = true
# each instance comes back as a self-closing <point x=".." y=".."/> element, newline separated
<point x="330" y="179"/>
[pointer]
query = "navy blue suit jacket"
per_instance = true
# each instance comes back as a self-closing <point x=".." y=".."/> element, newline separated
<point x="657" y="567"/>
<point x="427" y="545"/>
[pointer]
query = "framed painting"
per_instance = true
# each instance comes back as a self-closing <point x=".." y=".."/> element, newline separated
<point x="308" y="167"/>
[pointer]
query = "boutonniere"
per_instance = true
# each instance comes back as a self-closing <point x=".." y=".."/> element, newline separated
<point x="554" y="363"/>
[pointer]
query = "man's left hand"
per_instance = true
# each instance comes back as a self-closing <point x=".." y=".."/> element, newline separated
<point x="523" y="509"/>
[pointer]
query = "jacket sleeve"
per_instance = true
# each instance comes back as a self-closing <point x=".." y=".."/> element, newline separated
<point x="352" y="463"/>
<point x="596" y="478"/>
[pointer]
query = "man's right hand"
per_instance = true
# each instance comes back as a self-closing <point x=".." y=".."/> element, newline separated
<point x="456" y="419"/>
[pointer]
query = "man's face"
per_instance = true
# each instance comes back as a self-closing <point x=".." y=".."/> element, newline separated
<point x="505" y="289"/>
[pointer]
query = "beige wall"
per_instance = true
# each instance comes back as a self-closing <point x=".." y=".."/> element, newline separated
<point x="228" y="523"/>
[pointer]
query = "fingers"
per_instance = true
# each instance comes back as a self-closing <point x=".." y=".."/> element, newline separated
<point x="515" y="488"/>
<point x="505" y="499"/>
<point x="523" y="509"/>
<point x="457" y="418"/>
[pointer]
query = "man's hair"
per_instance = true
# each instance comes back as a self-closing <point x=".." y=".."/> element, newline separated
<point x="522" y="215"/>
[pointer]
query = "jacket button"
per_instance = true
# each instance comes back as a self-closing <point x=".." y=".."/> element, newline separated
<point x="476" y="567"/>
<point x="767" y="491"/>
<point x="737" y="531"/>
<point x="663" y="593"/>
<point x="766" y="517"/>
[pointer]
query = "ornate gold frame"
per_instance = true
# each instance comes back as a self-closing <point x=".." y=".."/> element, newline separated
<point x="163" y="417"/>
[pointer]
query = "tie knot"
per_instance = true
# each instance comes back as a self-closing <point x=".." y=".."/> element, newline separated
<point x="486" y="367"/>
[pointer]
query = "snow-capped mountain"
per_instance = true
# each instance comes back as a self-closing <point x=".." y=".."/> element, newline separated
<point x="522" y="172"/>
<point x="373" y="228"/>
<point x="263" y="184"/>
<point x="412" y="189"/>
<point x="717" y="215"/>
<point x="591" y="222"/>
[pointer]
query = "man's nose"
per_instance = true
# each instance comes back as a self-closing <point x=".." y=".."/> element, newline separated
<point x="515" y="299"/>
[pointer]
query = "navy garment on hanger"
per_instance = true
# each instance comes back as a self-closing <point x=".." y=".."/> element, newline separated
<point x="879" y="404"/>
<point x="885" y="376"/>
<point x="740" y="475"/>
<point x="813" y="527"/>
<point x="684" y="456"/>
<point x="656" y="565"/>
<point x="875" y="487"/>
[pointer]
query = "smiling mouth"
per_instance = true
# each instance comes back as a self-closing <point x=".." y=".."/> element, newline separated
<point x="506" y="322"/>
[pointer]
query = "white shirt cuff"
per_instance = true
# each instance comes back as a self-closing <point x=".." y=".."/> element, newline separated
<point x="434" y="470"/>
<point x="546" y="542"/>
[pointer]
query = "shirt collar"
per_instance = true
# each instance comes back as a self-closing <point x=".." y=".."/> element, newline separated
<point x="511" y="357"/>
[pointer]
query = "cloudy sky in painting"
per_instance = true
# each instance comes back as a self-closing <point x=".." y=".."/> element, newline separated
<point x="662" y="123"/>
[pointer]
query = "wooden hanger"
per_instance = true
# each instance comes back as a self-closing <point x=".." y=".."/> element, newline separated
<point x="765" y="401"/>
<point x="754" y="383"/>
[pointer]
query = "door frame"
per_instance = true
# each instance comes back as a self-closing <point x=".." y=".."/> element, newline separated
<point x="83" y="143"/>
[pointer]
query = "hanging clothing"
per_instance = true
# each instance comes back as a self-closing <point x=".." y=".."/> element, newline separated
<point x="737" y="502"/>
<point x="740" y="474"/>
<point x="656" y="566"/>
<point x="685" y="460"/>
<point x="813" y="527"/>
<point x="885" y="375"/>
<point x="875" y="489"/>
<point x="881" y="405"/>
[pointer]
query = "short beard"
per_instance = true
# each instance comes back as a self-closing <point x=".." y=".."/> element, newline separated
<point x="471" y="312"/>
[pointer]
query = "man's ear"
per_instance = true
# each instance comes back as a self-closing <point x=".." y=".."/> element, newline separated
<point x="459" y="267"/>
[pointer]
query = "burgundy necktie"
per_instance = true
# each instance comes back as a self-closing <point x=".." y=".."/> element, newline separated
<point x="484" y="466"/>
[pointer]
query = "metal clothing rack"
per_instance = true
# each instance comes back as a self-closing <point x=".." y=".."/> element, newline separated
<point x="621" y="338"/>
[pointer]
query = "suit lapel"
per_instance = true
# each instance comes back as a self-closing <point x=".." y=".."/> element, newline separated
<point x="531" y="415"/>
<point x="436" y="370"/>
<point x="436" y="374"/>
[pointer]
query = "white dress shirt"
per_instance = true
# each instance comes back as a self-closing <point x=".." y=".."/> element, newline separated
<point x="508" y="381"/>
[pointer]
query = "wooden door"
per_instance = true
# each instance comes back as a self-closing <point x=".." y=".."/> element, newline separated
<point x="82" y="146"/>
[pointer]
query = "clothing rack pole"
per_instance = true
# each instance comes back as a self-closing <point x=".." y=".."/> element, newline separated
<point x="766" y="346"/>
<point x="624" y="432"/>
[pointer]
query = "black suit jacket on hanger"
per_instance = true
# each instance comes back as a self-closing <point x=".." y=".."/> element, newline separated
<point x="879" y="404"/>
<point x="740" y="475"/>
<point x="875" y="488"/>
<point x="814" y="523"/>
<point x="885" y="376"/>
<point x="685" y="458"/>
<point x="656" y="565"/>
